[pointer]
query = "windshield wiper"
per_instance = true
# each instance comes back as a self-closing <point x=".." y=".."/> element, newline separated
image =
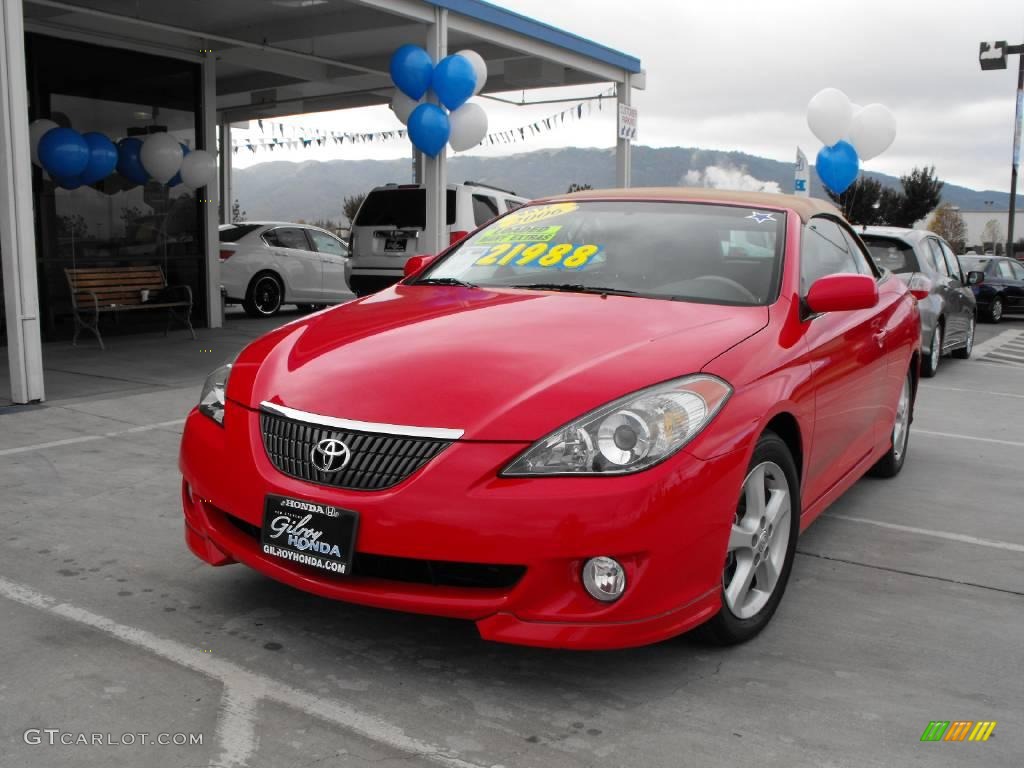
<point x="445" y="281"/>
<point x="574" y="288"/>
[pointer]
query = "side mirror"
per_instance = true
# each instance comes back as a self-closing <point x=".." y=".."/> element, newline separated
<point x="416" y="264"/>
<point x="974" y="277"/>
<point x="842" y="293"/>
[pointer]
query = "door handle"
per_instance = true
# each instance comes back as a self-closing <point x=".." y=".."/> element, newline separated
<point x="879" y="337"/>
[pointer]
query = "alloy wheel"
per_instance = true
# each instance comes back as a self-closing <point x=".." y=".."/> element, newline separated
<point x="997" y="309"/>
<point x="936" y="353"/>
<point x="267" y="295"/>
<point x="758" y="541"/>
<point x="969" y="346"/>
<point x="901" y="429"/>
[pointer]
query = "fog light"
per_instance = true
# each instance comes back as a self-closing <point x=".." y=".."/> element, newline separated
<point x="604" y="578"/>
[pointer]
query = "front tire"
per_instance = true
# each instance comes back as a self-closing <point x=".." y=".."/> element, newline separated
<point x="762" y="540"/>
<point x="891" y="464"/>
<point x="995" y="310"/>
<point x="964" y="352"/>
<point x="265" y="295"/>
<point x="930" y="365"/>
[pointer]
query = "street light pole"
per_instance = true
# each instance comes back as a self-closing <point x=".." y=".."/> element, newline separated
<point x="993" y="56"/>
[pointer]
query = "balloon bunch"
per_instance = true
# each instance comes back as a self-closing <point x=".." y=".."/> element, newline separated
<point x="850" y="133"/>
<point x="74" y="159"/>
<point x="454" y="80"/>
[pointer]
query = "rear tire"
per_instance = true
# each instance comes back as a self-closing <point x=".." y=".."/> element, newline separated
<point x="964" y="352"/>
<point x="264" y="296"/>
<point x="891" y="464"/>
<point x="930" y="365"/>
<point x="762" y="541"/>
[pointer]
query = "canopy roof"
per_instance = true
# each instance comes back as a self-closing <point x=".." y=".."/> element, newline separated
<point x="280" y="57"/>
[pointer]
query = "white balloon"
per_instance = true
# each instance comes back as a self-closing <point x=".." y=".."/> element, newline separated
<point x="198" y="168"/>
<point x="479" y="66"/>
<point x="829" y="114"/>
<point x="36" y="131"/>
<point x="468" y="126"/>
<point x="161" y="156"/>
<point x="872" y="131"/>
<point x="403" y="106"/>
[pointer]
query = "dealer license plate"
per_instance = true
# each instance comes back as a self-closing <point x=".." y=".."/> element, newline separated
<point x="309" y="533"/>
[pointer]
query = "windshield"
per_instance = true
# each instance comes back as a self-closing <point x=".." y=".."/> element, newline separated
<point x="890" y="253"/>
<point x="688" y="251"/>
<point x="970" y="264"/>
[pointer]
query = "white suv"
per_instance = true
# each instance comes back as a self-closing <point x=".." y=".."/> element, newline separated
<point x="390" y="222"/>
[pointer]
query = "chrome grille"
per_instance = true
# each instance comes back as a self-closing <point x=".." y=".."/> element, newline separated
<point x="378" y="460"/>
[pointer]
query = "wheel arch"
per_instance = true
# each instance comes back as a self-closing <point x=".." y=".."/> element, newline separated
<point x="786" y="426"/>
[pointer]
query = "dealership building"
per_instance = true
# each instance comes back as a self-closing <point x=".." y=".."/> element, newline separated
<point x="135" y="67"/>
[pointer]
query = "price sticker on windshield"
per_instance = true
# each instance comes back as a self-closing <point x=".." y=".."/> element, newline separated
<point x="534" y="213"/>
<point x="569" y="256"/>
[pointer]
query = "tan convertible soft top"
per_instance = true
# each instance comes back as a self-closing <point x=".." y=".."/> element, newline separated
<point x="804" y="207"/>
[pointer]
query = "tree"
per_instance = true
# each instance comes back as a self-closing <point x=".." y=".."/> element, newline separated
<point x="860" y="203"/>
<point x="350" y="206"/>
<point x="948" y="224"/>
<point x="992" y="236"/>
<point x="237" y="214"/>
<point x="574" y="187"/>
<point x="921" y="193"/>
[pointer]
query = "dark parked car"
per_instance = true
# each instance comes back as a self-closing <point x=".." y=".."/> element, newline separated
<point x="1001" y="290"/>
<point x="926" y="263"/>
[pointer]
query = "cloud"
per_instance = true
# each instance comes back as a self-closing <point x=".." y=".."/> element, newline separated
<point x="728" y="177"/>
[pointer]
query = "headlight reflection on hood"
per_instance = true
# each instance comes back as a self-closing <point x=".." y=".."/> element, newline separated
<point x="630" y="434"/>
<point x="211" y="400"/>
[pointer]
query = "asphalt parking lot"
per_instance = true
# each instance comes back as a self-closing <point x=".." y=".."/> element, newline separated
<point x="906" y="606"/>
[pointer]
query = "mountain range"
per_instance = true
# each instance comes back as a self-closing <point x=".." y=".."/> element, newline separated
<point x="314" y="190"/>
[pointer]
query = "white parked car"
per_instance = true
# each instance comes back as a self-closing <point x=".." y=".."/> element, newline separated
<point x="264" y="264"/>
<point x="391" y="219"/>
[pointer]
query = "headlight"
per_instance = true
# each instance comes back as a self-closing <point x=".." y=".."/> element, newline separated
<point x="630" y="434"/>
<point x="211" y="401"/>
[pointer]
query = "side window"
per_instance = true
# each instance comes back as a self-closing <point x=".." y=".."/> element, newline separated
<point x="825" y="251"/>
<point x="326" y="243"/>
<point x="927" y="258"/>
<point x="936" y="252"/>
<point x="1004" y="269"/>
<point x="1018" y="270"/>
<point x="511" y="205"/>
<point x="484" y="209"/>
<point x="287" y="237"/>
<point x="865" y="265"/>
<point x="951" y="263"/>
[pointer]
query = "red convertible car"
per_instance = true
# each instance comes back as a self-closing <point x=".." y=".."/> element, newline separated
<point x="599" y="421"/>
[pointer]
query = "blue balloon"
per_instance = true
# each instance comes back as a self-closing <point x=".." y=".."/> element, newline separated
<point x="128" y="163"/>
<point x="454" y="80"/>
<point x="429" y="129"/>
<point x="102" y="158"/>
<point x="411" y="69"/>
<point x="176" y="178"/>
<point x="68" y="182"/>
<point x="838" y="166"/>
<point x="63" y="153"/>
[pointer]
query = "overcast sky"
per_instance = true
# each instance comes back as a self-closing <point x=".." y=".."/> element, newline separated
<point x="737" y="75"/>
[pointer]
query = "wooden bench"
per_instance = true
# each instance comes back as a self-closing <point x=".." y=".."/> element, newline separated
<point x="99" y="290"/>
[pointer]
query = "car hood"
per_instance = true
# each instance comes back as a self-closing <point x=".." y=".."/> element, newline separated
<point x="497" y="364"/>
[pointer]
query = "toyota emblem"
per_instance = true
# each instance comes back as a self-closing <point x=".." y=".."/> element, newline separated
<point x="330" y="455"/>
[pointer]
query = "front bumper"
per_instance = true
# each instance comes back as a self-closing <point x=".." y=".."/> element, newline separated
<point x="667" y="525"/>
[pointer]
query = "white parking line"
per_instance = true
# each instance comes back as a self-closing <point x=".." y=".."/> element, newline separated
<point x="972" y="391"/>
<point x="980" y="350"/>
<point x="1007" y="545"/>
<point x="90" y="438"/>
<point x="236" y="728"/>
<point x="968" y="437"/>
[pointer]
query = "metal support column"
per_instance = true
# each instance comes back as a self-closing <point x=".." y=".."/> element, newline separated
<point x="1018" y="118"/>
<point x="224" y="170"/>
<point x="17" y="235"/>
<point x="210" y="194"/>
<point x="623" y="160"/>
<point x="435" y="169"/>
